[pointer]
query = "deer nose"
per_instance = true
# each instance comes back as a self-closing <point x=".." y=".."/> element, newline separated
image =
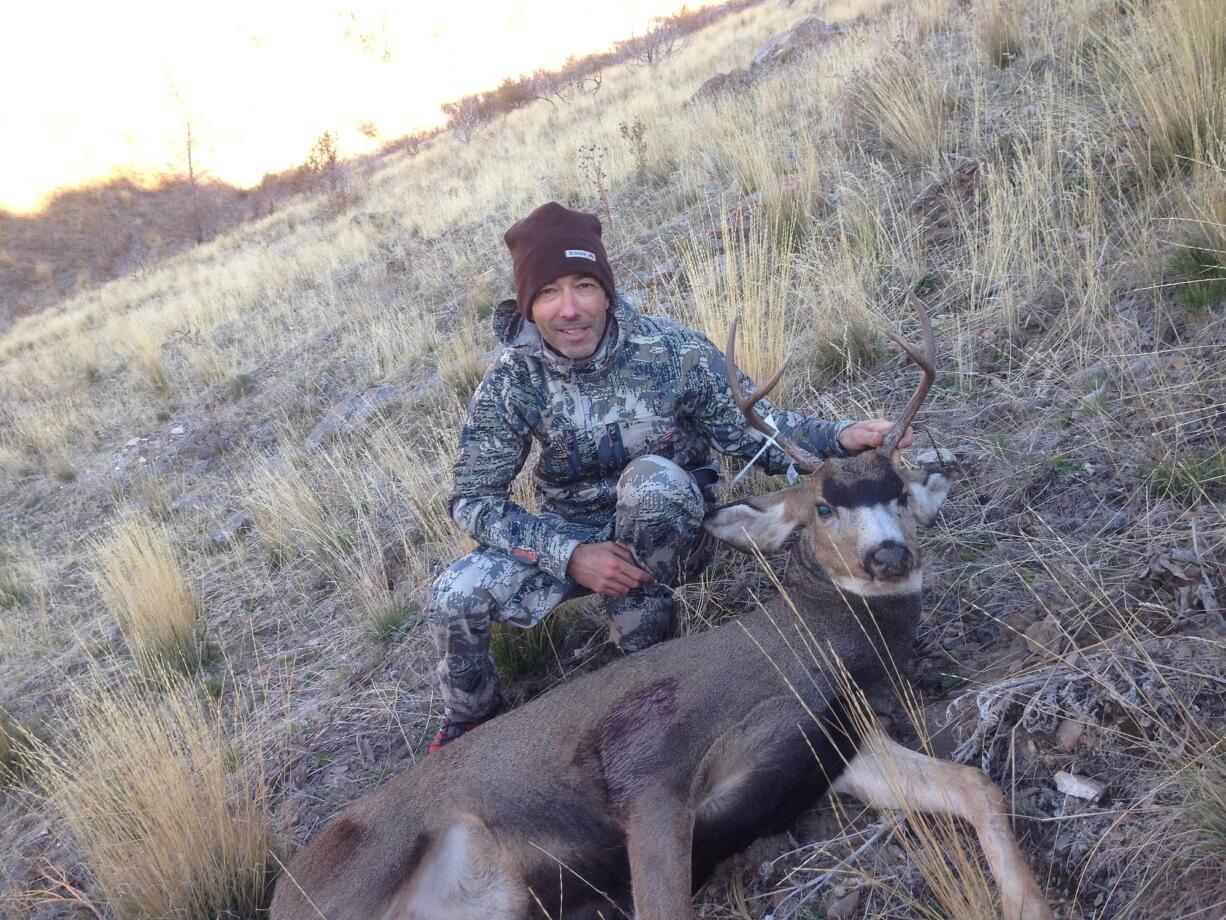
<point x="889" y="560"/>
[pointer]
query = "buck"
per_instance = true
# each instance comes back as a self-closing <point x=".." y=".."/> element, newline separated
<point x="616" y="794"/>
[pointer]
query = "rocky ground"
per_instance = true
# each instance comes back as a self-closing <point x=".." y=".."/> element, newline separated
<point x="1073" y="642"/>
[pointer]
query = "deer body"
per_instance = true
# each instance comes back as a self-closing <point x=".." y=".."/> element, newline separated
<point x="637" y="750"/>
<point x="616" y="794"/>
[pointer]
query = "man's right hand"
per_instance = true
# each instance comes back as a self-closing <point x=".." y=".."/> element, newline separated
<point x="607" y="568"/>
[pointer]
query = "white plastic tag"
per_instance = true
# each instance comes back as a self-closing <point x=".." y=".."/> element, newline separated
<point x="770" y="420"/>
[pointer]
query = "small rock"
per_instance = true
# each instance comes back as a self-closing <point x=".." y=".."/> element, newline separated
<point x="1068" y="734"/>
<point x="784" y="47"/>
<point x="844" y="908"/>
<point x="379" y="220"/>
<point x="352" y="413"/>
<point x="723" y="83"/>
<point x="1018" y="621"/>
<point x="940" y="455"/>
<point x="1045" y="636"/>
<point x="132" y="442"/>
<point x="224" y="537"/>
<point x="178" y="429"/>
<point x="1079" y="787"/>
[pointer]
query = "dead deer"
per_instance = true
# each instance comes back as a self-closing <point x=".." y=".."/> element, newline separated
<point x="616" y="794"/>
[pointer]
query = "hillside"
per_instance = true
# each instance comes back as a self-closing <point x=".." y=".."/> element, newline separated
<point x="236" y="460"/>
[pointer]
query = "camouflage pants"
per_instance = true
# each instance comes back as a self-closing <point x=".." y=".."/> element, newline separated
<point x="659" y="515"/>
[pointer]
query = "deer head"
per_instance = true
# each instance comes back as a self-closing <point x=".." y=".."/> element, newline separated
<point x="859" y="514"/>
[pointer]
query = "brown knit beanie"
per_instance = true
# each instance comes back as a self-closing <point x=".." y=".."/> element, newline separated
<point x="551" y="242"/>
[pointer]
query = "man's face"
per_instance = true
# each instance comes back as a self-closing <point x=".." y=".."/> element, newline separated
<point x="571" y="313"/>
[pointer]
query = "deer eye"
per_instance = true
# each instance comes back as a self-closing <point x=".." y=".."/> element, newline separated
<point x="824" y="510"/>
<point x="902" y="500"/>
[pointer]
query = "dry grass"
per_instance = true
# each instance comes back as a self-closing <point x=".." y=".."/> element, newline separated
<point x="1041" y="209"/>
<point x="905" y="102"/>
<point x="420" y="475"/>
<point x="146" y="590"/>
<point x="1175" y="69"/>
<point x="167" y="804"/>
<point x="7" y="748"/>
<point x="747" y="281"/>
<point x="1001" y="32"/>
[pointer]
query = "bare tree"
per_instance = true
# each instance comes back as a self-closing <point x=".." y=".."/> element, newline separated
<point x="192" y="172"/>
<point x="566" y="89"/>
<point x="664" y="39"/>
<point x="464" y="116"/>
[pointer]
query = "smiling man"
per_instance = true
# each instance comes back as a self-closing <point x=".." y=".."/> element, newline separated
<point x="627" y="410"/>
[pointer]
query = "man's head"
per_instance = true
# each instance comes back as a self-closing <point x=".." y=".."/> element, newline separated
<point x="556" y="253"/>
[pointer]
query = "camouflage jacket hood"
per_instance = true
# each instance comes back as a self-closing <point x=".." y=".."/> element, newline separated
<point x="653" y="386"/>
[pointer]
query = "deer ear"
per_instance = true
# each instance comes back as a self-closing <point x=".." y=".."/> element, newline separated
<point x="928" y="489"/>
<point x="762" y="522"/>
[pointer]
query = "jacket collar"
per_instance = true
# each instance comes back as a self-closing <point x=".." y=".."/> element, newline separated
<point x="522" y="337"/>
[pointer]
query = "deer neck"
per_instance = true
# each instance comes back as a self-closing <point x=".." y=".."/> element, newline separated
<point x="851" y="610"/>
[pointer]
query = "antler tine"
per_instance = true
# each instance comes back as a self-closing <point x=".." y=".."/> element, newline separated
<point x="925" y="361"/>
<point x="746" y="404"/>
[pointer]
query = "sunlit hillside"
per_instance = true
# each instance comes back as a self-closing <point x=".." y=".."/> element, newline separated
<point x="222" y="479"/>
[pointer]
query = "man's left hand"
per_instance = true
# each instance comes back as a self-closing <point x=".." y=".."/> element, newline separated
<point x="868" y="434"/>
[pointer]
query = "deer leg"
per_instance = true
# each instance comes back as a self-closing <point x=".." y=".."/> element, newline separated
<point x="887" y="775"/>
<point x="659" y="840"/>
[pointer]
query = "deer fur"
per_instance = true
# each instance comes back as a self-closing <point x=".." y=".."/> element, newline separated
<point x="617" y="794"/>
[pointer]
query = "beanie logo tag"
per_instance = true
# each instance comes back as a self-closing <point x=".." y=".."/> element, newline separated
<point x="580" y="254"/>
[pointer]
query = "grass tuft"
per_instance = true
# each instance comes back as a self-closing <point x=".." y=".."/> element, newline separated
<point x="146" y="590"/>
<point x="903" y="101"/>
<point x="1000" y="33"/>
<point x="749" y="282"/>
<point x="1175" y="68"/>
<point x="1199" y="279"/>
<point x="8" y="752"/>
<point x="520" y="652"/>
<point x="170" y="811"/>
<point x="11" y="593"/>
<point x="391" y="618"/>
<point x="1190" y="479"/>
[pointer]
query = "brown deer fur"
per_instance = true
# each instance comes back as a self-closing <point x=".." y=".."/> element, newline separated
<point x="616" y="794"/>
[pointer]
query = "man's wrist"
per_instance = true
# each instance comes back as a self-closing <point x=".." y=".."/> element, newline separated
<point x="839" y="428"/>
<point x="556" y="560"/>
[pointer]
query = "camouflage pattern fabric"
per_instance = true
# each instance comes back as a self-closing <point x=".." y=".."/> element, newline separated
<point x="659" y="515"/>
<point x="652" y="387"/>
<point x="654" y="391"/>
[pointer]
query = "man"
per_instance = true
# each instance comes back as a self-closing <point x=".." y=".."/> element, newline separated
<point x="626" y="409"/>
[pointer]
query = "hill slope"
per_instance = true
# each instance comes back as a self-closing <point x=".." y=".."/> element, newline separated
<point x="258" y="433"/>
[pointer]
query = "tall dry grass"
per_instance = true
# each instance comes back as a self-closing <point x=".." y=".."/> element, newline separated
<point x="1067" y="223"/>
<point x="747" y="281"/>
<point x="7" y="748"/>
<point x="1001" y="32"/>
<point x="905" y="102"/>
<point x="167" y="803"/>
<point x="143" y="583"/>
<point x="1173" y="66"/>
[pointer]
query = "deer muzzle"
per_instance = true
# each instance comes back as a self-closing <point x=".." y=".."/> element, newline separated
<point x="890" y="559"/>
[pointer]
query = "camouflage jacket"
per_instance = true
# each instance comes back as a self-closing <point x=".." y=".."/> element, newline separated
<point x="653" y="386"/>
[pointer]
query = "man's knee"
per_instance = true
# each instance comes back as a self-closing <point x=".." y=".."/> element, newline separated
<point x="460" y="591"/>
<point x="654" y="484"/>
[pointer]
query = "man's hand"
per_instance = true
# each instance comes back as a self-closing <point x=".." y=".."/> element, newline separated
<point x="606" y="568"/>
<point x="866" y="435"/>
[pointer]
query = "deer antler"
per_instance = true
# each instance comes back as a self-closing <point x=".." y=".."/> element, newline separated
<point x="746" y="405"/>
<point x="892" y="437"/>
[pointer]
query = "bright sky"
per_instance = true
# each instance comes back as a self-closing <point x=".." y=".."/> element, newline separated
<point x="89" y="87"/>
